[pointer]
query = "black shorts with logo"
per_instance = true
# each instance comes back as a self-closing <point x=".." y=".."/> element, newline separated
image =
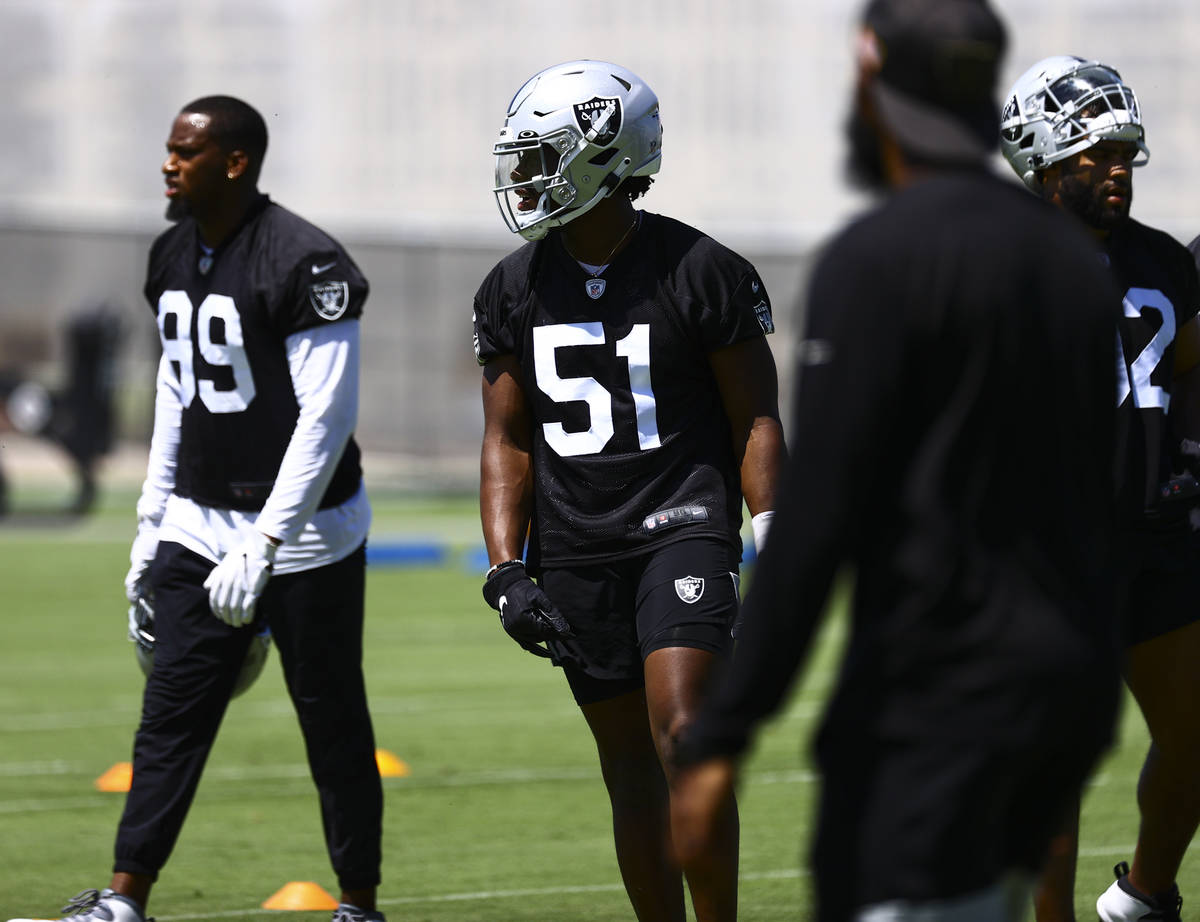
<point x="683" y="594"/>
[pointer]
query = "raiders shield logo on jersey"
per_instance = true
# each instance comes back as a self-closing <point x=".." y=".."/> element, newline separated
<point x="689" y="589"/>
<point x="762" y="310"/>
<point x="599" y="119"/>
<point x="329" y="299"/>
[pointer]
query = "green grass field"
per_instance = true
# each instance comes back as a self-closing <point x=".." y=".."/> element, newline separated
<point x="503" y="816"/>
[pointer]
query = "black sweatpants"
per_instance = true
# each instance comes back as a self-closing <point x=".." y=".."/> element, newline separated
<point x="316" y="621"/>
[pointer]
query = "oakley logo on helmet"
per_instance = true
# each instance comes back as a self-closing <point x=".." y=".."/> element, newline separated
<point x="599" y="119"/>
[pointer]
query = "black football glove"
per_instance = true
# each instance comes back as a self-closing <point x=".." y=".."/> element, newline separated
<point x="527" y="614"/>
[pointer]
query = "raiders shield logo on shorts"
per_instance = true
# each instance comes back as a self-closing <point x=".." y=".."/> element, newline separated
<point x="689" y="589"/>
<point x="329" y="299"/>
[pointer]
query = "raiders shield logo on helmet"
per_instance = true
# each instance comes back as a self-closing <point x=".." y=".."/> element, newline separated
<point x="689" y="589"/>
<point x="599" y="119"/>
<point x="1011" y="110"/>
<point x="329" y="299"/>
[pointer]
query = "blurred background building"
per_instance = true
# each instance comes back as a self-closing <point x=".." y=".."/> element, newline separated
<point x="382" y="114"/>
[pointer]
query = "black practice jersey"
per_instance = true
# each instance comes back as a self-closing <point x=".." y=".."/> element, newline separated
<point x="631" y="443"/>
<point x="1157" y="279"/>
<point x="223" y="320"/>
<point x="953" y="431"/>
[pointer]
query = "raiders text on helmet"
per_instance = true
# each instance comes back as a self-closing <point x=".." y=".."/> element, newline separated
<point x="1063" y="105"/>
<point x="572" y="133"/>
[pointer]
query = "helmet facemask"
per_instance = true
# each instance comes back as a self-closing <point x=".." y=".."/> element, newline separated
<point x="1089" y="106"/>
<point x="531" y="189"/>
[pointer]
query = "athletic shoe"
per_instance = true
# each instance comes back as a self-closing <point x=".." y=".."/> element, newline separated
<point x="1122" y="902"/>
<point x="99" y="906"/>
<point x="347" y="913"/>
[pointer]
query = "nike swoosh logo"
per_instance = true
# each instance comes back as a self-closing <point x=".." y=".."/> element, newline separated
<point x="317" y="270"/>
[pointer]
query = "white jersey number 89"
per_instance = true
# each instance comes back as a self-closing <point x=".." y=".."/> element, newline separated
<point x="231" y="354"/>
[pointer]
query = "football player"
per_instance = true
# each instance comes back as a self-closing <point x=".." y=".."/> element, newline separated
<point x="954" y="388"/>
<point x="630" y="405"/>
<point x="253" y="514"/>
<point x="1072" y="130"/>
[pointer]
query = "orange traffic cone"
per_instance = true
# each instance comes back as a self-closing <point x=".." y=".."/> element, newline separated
<point x="116" y="779"/>
<point x="390" y="766"/>
<point x="301" y="894"/>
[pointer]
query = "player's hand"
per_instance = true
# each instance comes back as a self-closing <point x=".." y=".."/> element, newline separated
<point x="141" y="555"/>
<point x="527" y="614"/>
<point x="235" y="584"/>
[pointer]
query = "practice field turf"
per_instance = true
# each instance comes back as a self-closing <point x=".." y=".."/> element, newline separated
<point x="502" y="816"/>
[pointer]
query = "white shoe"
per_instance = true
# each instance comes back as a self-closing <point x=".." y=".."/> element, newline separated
<point x="98" y="906"/>
<point x="347" y="913"/>
<point x="1121" y="902"/>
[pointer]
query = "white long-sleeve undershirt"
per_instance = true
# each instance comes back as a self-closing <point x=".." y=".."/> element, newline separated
<point x="323" y="364"/>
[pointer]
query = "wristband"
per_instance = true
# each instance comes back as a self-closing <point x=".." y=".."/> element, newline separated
<point x="761" y="524"/>
<point x="503" y="565"/>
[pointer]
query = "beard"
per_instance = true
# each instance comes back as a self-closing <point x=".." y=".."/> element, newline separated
<point x="1087" y="202"/>
<point x="864" y="162"/>
<point x="177" y="210"/>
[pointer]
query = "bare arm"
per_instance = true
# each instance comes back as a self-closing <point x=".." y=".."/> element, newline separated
<point x="506" y="467"/>
<point x="749" y="388"/>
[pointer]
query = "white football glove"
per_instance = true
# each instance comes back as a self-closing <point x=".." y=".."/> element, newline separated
<point x="235" y="584"/>
<point x="141" y="555"/>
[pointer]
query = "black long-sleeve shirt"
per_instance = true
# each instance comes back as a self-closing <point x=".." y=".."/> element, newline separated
<point x="952" y="443"/>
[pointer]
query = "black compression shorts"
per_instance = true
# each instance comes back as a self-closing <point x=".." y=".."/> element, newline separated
<point x="684" y="594"/>
<point x="1160" y="585"/>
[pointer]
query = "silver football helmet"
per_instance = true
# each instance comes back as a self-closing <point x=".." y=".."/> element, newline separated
<point x="573" y="132"/>
<point x="1063" y="105"/>
<point x="141" y="632"/>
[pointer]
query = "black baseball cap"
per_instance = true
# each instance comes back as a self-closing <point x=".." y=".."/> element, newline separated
<point x="935" y="66"/>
